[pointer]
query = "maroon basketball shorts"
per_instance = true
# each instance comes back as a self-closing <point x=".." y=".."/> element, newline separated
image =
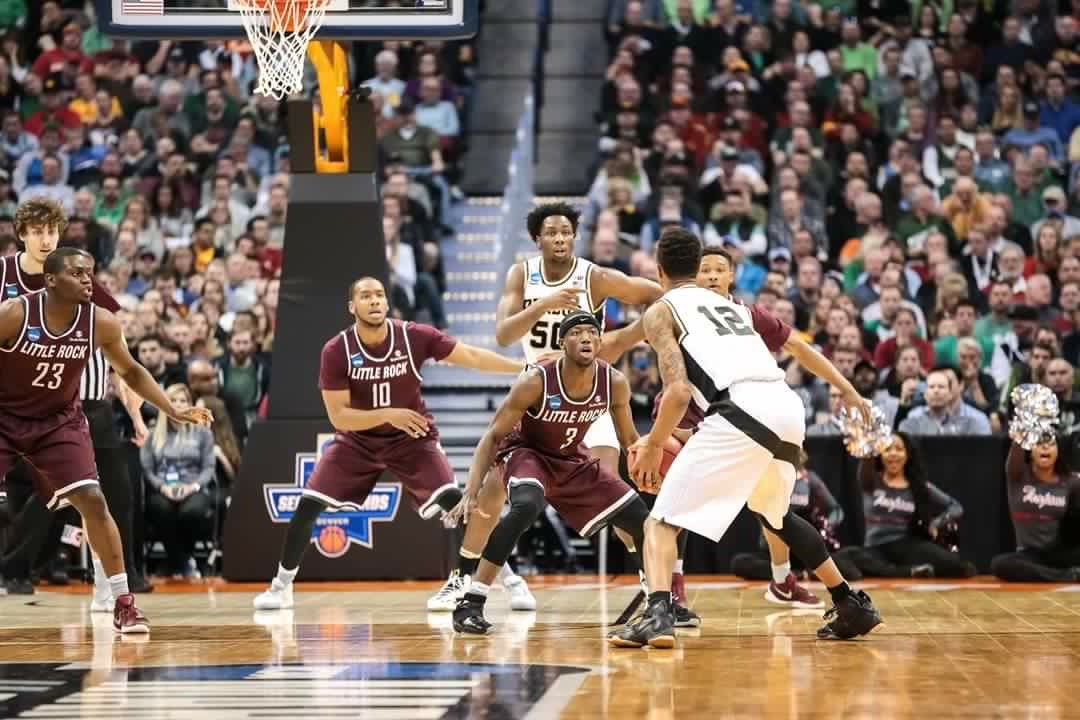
<point x="350" y="467"/>
<point x="584" y="493"/>
<point x="58" y="450"/>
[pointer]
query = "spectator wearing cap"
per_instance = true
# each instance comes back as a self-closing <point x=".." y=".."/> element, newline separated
<point x="386" y="83"/>
<point x="54" y="109"/>
<point x="747" y="159"/>
<point x="1056" y="209"/>
<point x="1032" y="133"/>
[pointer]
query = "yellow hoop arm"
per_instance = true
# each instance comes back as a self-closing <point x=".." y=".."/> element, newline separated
<point x="332" y="68"/>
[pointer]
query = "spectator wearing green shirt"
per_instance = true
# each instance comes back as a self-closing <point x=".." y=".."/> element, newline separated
<point x="924" y="218"/>
<point x="857" y="55"/>
<point x="993" y="329"/>
<point x="946" y="349"/>
<point x="1024" y="194"/>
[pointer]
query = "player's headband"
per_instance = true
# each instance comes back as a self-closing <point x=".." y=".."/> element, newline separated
<point x="578" y="317"/>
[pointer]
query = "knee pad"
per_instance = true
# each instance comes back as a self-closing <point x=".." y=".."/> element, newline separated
<point x="799" y="535"/>
<point x="631" y="520"/>
<point x="526" y="504"/>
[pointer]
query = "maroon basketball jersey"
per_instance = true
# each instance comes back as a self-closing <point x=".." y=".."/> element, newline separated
<point x="690" y="420"/>
<point x="387" y="376"/>
<point x="559" y="425"/>
<point x="39" y="374"/>
<point x="15" y="282"/>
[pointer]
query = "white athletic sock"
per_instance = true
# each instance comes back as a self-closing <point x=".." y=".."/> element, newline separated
<point x="780" y="572"/>
<point x="102" y="589"/>
<point x="118" y="585"/>
<point x="286" y="576"/>
<point x="678" y="567"/>
<point x="505" y="573"/>
<point x="479" y="588"/>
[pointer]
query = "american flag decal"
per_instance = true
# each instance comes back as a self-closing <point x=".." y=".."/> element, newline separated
<point x="142" y="7"/>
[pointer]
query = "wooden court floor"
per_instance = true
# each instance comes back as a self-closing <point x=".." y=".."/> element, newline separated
<point x="974" y="649"/>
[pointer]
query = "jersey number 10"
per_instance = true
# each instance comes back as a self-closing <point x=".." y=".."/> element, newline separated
<point x="380" y="395"/>
<point x="727" y="321"/>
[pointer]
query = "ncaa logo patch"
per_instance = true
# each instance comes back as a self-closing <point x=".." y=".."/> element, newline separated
<point x="534" y="279"/>
<point x="356" y="360"/>
<point x="11" y="290"/>
<point x="335" y="530"/>
<point x="33" y="334"/>
<point x="555" y="402"/>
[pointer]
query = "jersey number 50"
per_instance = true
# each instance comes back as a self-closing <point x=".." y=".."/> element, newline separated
<point x="727" y="321"/>
<point x="545" y="334"/>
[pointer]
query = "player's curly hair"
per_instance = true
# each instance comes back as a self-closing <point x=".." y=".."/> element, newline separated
<point x="39" y="212"/>
<point x="535" y="220"/>
<point x="678" y="253"/>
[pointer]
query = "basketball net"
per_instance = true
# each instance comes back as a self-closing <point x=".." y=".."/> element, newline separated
<point x="279" y="32"/>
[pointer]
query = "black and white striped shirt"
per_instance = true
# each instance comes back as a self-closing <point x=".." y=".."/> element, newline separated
<point x="95" y="378"/>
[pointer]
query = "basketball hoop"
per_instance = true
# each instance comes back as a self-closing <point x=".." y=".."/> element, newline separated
<point x="279" y="32"/>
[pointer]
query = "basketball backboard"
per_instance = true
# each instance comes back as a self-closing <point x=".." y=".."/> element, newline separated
<point x="345" y="19"/>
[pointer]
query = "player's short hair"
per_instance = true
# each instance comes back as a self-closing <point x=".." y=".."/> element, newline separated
<point x="357" y="281"/>
<point x="678" y="253"/>
<point x="40" y="212"/>
<point x="714" y="250"/>
<point x="57" y="258"/>
<point x="578" y="317"/>
<point x="535" y="219"/>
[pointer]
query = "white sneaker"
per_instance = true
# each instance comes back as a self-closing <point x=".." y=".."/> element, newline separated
<point x="452" y="590"/>
<point x="277" y="597"/>
<point x="102" y="604"/>
<point x="520" y="597"/>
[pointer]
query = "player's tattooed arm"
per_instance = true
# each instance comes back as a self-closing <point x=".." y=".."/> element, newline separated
<point x="615" y="343"/>
<point x="12" y="316"/>
<point x="609" y="283"/>
<point x="620" y="409"/>
<point x="110" y="338"/>
<point x="660" y="332"/>
<point x="513" y="320"/>
<point x="474" y="358"/>
<point x="526" y="392"/>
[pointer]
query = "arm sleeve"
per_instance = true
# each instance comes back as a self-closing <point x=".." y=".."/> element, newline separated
<point x="209" y="463"/>
<point x="953" y="510"/>
<point x="333" y="365"/>
<point x="428" y="342"/>
<point x="772" y="330"/>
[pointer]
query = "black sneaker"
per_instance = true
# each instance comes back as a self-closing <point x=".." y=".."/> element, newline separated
<point x="19" y="586"/>
<point x="926" y="570"/>
<point x="685" y="617"/>
<point x="469" y="618"/>
<point x="853" y="616"/>
<point x="655" y="628"/>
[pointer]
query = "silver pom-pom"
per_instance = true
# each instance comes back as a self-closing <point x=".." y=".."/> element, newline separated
<point x="1035" y="415"/>
<point x="862" y="438"/>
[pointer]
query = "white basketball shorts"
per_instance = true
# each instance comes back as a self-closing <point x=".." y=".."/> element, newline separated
<point x="602" y="433"/>
<point x="735" y="458"/>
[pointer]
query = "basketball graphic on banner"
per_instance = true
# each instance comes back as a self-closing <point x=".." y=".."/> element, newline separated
<point x="332" y="540"/>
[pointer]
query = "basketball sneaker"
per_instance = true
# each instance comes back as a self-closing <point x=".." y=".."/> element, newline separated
<point x="278" y="596"/>
<point x="655" y="628"/>
<point x="685" y="617"/>
<point x="469" y="618"/>
<point x="520" y="597"/>
<point x="127" y="617"/>
<point x="452" y="590"/>
<point x="792" y="594"/>
<point x="853" y="616"/>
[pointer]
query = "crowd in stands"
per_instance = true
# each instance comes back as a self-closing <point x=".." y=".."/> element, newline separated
<point x="896" y="180"/>
<point x="175" y="176"/>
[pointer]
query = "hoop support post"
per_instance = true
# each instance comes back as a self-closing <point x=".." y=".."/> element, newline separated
<point x="332" y="68"/>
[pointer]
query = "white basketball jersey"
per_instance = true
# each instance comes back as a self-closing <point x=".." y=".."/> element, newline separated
<point x="543" y="338"/>
<point x="719" y="343"/>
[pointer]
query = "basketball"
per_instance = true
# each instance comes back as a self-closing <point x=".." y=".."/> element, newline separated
<point x="671" y="449"/>
<point x="332" y="539"/>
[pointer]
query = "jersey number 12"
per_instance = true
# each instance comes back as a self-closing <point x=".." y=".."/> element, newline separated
<point x="726" y="321"/>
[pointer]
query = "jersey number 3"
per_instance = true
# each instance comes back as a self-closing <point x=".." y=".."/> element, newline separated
<point x="726" y="321"/>
<point x="49" y="376"/>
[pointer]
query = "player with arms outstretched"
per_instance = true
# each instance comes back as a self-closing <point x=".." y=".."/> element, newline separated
<point x="717" y="353"/>
<point x="539" y="293"/>
<point x="370" y="379"/>
<point x="46" y="339"/>
<point x="537" y="442"/>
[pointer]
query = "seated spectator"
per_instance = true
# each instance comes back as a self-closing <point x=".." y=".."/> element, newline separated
<point x="1043" y="494"/>
<point x="52" y="185"/>
<point x="905" y="334"/>
<point x="903" y="513"/>
<point x="178" y="465"/>
<point x="944" y="413"/>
